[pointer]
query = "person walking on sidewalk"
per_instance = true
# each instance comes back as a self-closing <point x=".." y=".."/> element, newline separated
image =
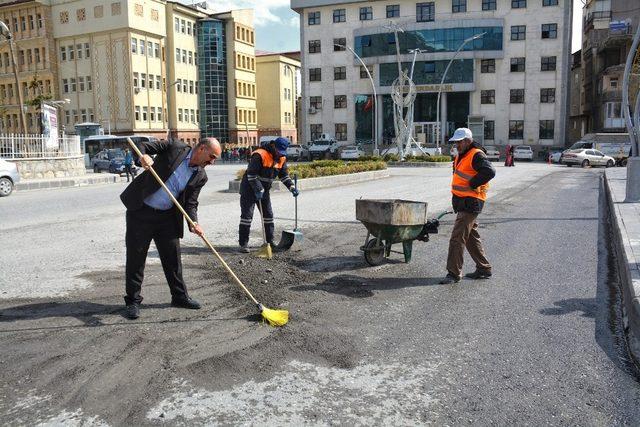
<point x="471" y="173"/>
<point x="151" y="215"/>
<point x="128" y="164"/>
<point x="265" y="165"/>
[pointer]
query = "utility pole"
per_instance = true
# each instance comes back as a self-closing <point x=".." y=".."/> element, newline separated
<point x="4" y="30"/>
<point x="633" y="125"/>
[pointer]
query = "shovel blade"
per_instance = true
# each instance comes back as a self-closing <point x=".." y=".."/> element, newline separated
<point x="289" y="237"/>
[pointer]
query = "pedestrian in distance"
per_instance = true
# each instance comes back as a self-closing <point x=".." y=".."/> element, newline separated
<point x="509" y="160"/>
<point x="472" y="172"/>
<point x="128" y="164"/>
<point x="267" y="163"/>
<point x="151" y="215"/>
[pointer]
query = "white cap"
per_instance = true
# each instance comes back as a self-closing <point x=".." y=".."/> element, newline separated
<point x="460" y="134"/>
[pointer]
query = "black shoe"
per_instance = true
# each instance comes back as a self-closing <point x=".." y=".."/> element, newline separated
<point x="189" y="303"/>
<point x="132" y="311"/>
<point x="243" y="249"/>
<point x="478" y="274"/>
<point x="449" y="279"/>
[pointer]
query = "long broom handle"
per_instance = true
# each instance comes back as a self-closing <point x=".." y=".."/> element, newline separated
<point x="264" y="231"/>
<point x="193" y="225"/>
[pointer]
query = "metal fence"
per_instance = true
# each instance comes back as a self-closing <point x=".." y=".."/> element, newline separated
<point x="25" y="146"/>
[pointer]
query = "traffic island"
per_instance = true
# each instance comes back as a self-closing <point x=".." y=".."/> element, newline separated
<point x="625" y="220"/>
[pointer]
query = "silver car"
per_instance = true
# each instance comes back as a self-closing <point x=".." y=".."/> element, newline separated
<point x="9" y="177"/>
<point x="585" y="158"/>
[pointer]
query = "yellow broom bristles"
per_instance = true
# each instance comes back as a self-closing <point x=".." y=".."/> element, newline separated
<point x="265" y="252"/>
<point x="275" y="317"/>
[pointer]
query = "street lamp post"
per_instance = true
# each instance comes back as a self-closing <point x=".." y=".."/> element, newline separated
<point x="374" y="120"/>
<point x="633" y="125"/>
<point x="444" y="75"/>
<point x="4" y="30"/>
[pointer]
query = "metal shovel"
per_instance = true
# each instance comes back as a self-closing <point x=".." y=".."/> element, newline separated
<point x="289" y="237"/>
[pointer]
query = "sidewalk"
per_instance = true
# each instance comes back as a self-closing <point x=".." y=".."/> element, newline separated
<point x="625" y="220"/>
<point x="69" y="181"/>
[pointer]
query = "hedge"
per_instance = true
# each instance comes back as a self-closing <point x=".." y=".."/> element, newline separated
<point x="320" y="168"/>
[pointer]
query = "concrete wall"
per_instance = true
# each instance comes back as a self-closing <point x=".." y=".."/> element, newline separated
<point x="51" y="168"/>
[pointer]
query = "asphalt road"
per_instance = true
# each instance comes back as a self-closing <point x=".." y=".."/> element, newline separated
<point x="539" y="343"/>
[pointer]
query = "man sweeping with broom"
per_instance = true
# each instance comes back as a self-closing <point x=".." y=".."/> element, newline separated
<point x="266" y="164"/>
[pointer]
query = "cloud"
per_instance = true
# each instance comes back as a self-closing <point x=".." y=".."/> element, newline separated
<point x="265" y="10"/>
<point x="294" y="21"/>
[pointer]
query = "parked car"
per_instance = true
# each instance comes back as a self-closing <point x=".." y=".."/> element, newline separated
<point x="351" y="152"/>
<point x="297" y="152"/>
<point x="585" y="158"/>
<point x="414" y="151"/>
<point x="523" y="152"/>
<point x="556" y="157"/>
<point x="111" y="160"/>
<point x="9" y="177"/>
<point x="492" y="153"/>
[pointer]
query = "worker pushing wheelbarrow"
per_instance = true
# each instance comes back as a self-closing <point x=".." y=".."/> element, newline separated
<point x="389" y="222"/>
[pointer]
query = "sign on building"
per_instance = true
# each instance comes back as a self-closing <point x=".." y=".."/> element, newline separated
<point x="50" y="126"/>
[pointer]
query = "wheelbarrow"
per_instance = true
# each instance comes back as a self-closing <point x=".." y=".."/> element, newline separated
<point x="390" y="222"/>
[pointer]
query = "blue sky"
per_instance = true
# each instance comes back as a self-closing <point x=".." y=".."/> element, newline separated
<point x="277" y="26"/>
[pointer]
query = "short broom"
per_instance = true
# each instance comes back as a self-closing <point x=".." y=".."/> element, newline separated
<point x="273" y="317"/>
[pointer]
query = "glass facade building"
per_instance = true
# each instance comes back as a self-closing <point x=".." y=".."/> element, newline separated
<point x="429" y="72"/>
<point x="432" y="40"/>
<point x="212" y="80"/>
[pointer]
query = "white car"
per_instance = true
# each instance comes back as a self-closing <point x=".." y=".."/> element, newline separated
<point x="492" y="153"/>
<point x="9" y="177"/>
<point x="523" y="152"/>
<point x="351" y="152"/>
<point x="297" y="152"/>
<point x="556" y="157"/>
<point x="585" y="158"/>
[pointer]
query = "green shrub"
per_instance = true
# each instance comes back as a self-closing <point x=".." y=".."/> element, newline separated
<point x="423" y="158"/>
<point x="320" y="168"/>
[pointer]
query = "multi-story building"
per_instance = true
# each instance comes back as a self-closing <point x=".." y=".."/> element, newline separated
<point x="608" y="28"/>
<point x="511" y="81"/>
<point x="182" y="71"/>
<point x="277" y="80"/>
<point x="577" y="125"/>
<point x="31" y="26"/>
<point x="111" y="65"/>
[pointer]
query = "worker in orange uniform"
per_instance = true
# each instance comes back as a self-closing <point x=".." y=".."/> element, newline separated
<point x="471" y="173"/>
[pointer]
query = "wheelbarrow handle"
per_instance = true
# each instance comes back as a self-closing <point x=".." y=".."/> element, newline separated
<point x="443" y="214"/>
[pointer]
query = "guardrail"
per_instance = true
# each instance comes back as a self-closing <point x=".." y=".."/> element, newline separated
<point x="25" y="146"/>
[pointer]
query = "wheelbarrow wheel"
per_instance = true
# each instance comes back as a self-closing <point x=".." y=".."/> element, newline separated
<point x="374" y="254"/>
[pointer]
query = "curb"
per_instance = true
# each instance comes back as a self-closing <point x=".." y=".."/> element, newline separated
<point x="323" y="181"/>
<point x="77" y="181"/>
<point x="420" y="164"/>
<point x="629" y="272"/>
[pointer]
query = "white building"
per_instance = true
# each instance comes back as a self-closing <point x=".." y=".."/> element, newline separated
<point x="512" y="81"/>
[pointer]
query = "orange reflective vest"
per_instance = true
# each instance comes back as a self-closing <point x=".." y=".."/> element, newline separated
<point x="267" y="159"/>
<point x="463" y="171"/>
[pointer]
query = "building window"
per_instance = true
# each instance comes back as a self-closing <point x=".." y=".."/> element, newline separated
<point x="546" y="129"/>
<point x="488" y="66"/>
<point x="134" y="45"/>
<point x="549" y="2"/>
<point x="488" y="4"/>
<point x="79" y="51"/>
<point x="518" y="32"/>
<point x="363" y="72"/>
<point x="72" y="85"/>
<point x="341" y="131"/>
<point x="184" y="56"/>
<point x="549" y="31"/>
<point x="548" y="96"/>
<point x="340" y="101"/>
<point x="87" y="51"/>
<point x="314" y="46"/>
<point x="71" y="53"/>
<point x="159" y="83"/>
<point x="393" y="10"/>
<point x="613" y="83"/>
<point x="339" y="15"/>
<point x="516" y="129"/>
<point x="142" y="47"/>
<point x="315" y="74"/>
<point x="339" y="45"/>
<point x="65" y="86"/>
<point x="517" y="65"/>
<point x="156" y="50"/>
<point x="488" y="96"/>
<point x="548" y="63"/>
<point x="145" y="110"/>
<point x="80" y="84"/>
<point x="190" y="57"/>
<point x="489" y="129"/>
<point x="40" y="22"/>
<point x="143" y="80"/>
<point x="315" y="102"/>
<point x="159" y="114"/>
<point x="116" y="9"/>
<point x="89" y="84"/>
<point x="339" y="73"/>
<point x="313" y="18"/>
<point x="366" y="13"/>
<point x="458" y="6"/>
<point x="425" y="12"/>
<point x="518" y="4"/>
<point x="316" y="131"/>
<point x="63" y="53"/>
<point x="516" y="96"/>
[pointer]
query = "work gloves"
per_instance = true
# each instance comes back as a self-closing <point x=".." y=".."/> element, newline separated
<point x="294" y="191"/>
<point x="259" y="194"/>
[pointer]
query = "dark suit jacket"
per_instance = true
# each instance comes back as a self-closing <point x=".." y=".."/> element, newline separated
<point x="169" y="155"/>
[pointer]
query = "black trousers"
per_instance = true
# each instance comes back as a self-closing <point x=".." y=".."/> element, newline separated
<point x="129" y="171"/>
<point x="247" y="204"/>
<point x="143" y="226"/>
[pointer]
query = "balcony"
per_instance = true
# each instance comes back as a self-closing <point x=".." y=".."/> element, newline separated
<point x="611" y="96"/>
<point x="587" y="22"/>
